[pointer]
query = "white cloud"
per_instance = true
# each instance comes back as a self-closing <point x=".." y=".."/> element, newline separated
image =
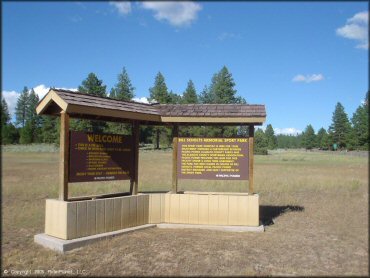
<point x="41" y="90"/>
<point x="287" y="131"/>
<point x="11" y="98"/>
<point x="308" y="78"/>
<point x="176" y="13"/>
<point x="141" y="99"/>
<point x="362" y="17"/>
<point x="123" y="7"/>
<point x="356" y="29"/>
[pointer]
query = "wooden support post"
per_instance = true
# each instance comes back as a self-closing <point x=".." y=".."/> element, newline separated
<point x="63" y="156"/>
<point x="251" y="143"/>
<point x="174" y="157"/>
<point x="134" y="181"/>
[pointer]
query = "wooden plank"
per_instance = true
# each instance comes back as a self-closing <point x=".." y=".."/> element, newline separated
<point x="166" y="206"/>
<point x="146" y="208"/>
<point x="81" y="219"/>
<point x="140" y="210"/>
<point x="133" y="211"/>
<point x="233" y="210"/>
<point x="91" y="217"/>
<point x="236" y="120"/>
<point x="203" y="209"/>
<point x="253" y="210"/>
<point x="174" y="157"/>
<point x="213" y="209"/>
<point x="48" y="99"/>
<point x="125" y="212"/>
<point x="134" y="183"/>
<point x="63" y="156"/>
<point x="223" y="209"/>
<point x="109" y="215"/>
<point x="106" y="112"/>
<point x="184" y="209"/>
<point x="155" y="208"/>
<point x="251" y="158"/>
<point x="243" y="209"/>
<point x="163" y="209"/>
<point x="193" y="209"/>
<point x="174" y="208"/>
<point x="100" y="216"/>
<point x="117" y="210"/>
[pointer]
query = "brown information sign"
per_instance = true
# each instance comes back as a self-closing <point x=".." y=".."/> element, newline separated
<point x="212" y="158"/>
<point x="100" y="157"/>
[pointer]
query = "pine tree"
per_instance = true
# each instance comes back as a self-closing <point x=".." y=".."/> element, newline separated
<point x="190" y="94"/>
<point x="123" y="90"/>
<point x="322" y="139"/>
<point x="221" y="91"/>
<point x="340" y="128"/>
<point x="309" y="138"/>
<point x="26" y="133"/>
<point x="49" y="130"/>
<point x="33" y="100"/>
<point x="271" y="138"/>
<point x="93" y="86"/>
<point x="5" y="116"/>
<point x="222" y="88"/>
<point x="32" y="117"/>
<point x="159" y="91"/>
<point x="205" y="96"/>
<point x="22" y="108"/>
<point x="261" y="142"/>
<point x="360" y="122"/>
<point x="9" y="134"/>
<point x="173" y="98"/>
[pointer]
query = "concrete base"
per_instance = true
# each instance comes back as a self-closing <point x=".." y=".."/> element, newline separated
<point x="260" y="228"/>
<point x="63" y="245"/>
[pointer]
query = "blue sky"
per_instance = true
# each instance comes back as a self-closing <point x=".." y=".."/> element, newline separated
<point x="297" y="58"/>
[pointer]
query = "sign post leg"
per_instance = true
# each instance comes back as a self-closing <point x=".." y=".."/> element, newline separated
<point x="134" y="181"/>
<point x="251" y="143"/>
<point x="174" y="157"/>
<point x="63" y="156"/>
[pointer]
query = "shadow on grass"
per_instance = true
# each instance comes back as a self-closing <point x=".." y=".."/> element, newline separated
<point x="269" y="213"/>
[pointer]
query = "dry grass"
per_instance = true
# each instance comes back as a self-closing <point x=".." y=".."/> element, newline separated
<point x="319" y="203"/>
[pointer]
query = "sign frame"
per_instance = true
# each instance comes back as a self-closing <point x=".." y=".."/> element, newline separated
<point x="250" y="155"/>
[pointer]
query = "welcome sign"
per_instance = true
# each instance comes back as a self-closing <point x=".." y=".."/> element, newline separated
<point x="100" y="157"/>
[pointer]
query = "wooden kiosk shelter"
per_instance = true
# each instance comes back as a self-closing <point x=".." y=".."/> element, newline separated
<point x="69" y="218"/>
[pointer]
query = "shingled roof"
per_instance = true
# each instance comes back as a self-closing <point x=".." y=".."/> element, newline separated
<point x="212" y="110"/>
<point x="89" y="106"/>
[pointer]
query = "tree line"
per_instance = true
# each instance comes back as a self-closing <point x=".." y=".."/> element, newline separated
<point x="342" y="134"/>
<point x="32" y="128"/>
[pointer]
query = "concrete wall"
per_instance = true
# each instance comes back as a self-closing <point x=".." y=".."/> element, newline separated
<point x="69" y="220"/>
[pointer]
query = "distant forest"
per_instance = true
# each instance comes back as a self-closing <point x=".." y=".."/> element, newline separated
<point x="343" y="133"/>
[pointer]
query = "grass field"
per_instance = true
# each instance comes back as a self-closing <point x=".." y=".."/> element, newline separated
<point x="314" y="206"/>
